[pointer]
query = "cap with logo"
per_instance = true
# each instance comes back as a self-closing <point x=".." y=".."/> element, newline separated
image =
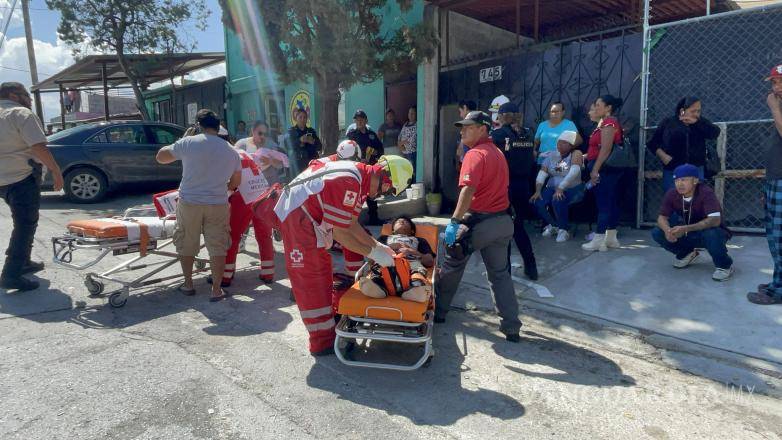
<point x="776" y="72"/>
<point x="475" y="117"/>
<point x="347" y="149"/>
<point x="359" y="114"/>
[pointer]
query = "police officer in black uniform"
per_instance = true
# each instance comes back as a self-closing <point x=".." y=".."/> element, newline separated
<point x="302" y="142"/>
<point x="371" y="149"/>
<point x="518" y="147"/>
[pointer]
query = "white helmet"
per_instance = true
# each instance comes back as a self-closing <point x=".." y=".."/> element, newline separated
<point x="347" y="150"/>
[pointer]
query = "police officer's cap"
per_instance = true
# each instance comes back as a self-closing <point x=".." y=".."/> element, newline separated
<point x="359" y="114"/>
<point x="475" y="117"/>
<point x="508" y="107"/>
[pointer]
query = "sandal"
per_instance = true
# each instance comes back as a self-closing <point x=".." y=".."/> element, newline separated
<point x="185" y="291"/>
<point x="221" y="297"/>
<point x="763" y="299"/>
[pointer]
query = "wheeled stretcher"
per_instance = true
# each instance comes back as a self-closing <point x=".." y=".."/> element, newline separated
<point x="390" y="319"/>
<point x="118" y="236"/>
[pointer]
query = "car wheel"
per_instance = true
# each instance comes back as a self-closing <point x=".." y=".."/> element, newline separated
<point x="85" y="185"/>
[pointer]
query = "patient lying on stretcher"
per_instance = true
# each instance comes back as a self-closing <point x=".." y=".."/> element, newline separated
<point x="408" y="278"/>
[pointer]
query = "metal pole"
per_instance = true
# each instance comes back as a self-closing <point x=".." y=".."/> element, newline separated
<point x="646" y="52"/>
<point x="537" y="20"/>
<point x="105" y="92"/>
<point x="28" y="34"/>
<point x="708" y="7"/>
<point x="62" y="110"/>
<point x="518" y="23"/>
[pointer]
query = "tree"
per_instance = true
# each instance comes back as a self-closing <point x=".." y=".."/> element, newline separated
<point x="126" y="27"/>
<point x="337" y="43"/>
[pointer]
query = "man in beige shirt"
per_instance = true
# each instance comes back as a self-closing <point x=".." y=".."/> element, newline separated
<point x="22" y="149"/>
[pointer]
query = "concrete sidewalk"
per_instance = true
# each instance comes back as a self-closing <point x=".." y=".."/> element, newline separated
<point x="636" y="286"/>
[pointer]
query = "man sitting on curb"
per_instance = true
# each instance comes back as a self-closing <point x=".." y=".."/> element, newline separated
<point x="698" y="223"/>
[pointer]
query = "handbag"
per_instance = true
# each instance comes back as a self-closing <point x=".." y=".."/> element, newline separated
<point x="713" y="165"/>
<point x="622" y="156"/>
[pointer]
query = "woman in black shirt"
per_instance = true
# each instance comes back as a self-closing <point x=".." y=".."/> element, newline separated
<point x="681" y="139"/>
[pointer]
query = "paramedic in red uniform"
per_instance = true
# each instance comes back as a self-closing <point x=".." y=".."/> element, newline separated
<point x="347" y="150"/>
<point x="254" y="184"/>
<point x="323" y="200"/>
<point x="483" y="208"/>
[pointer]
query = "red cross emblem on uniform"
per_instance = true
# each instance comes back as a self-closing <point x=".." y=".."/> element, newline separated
<point x="296" y="256"/>
<point x="350" y="198"/>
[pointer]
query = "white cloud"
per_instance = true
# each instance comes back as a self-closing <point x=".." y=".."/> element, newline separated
<point x="50" y="59"/>
<point x="208" y="73"/>
<point x="5" y="9"/>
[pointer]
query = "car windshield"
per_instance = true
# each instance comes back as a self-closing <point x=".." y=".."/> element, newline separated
<point x="67" y="132"/>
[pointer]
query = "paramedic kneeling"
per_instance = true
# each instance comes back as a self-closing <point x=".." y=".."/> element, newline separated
<point x="210" y="166"/>
<point x="327" y="198"/>
<point x="481" y="223"/>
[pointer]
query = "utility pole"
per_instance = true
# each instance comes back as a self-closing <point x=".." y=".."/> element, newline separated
<point x="28" y="33"/>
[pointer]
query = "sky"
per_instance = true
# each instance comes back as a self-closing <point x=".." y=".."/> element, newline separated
<point x="52" y="55"/>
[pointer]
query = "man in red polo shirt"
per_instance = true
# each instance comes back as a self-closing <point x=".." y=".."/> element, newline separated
<point x="480" y="223"/>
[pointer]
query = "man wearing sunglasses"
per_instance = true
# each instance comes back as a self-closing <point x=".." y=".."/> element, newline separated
<point x="22" y="148"/>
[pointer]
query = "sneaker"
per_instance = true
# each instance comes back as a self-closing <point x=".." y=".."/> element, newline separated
<point x="18" y="283"/>
<point x="722" y="274"/>
<point x="531" y="272"/>
<point x="596" y="244"/>
<point x="763" y="298"/>
<point x="563" y="236"/>
<point x="549" y="230"/>
<point x="513" y="337"/>
<point x="681" y="263"/>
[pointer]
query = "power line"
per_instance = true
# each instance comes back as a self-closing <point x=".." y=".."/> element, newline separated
<point x="23" y="70"/>
<point x="7" y="22"/>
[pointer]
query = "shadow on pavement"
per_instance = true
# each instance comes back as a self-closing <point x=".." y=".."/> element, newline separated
<point x="28" y="304"/>
<point x="574" y="364"/>
<point x="248" y="313"/>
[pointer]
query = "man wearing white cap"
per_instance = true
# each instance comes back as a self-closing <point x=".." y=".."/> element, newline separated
<point x="560" y="173"/>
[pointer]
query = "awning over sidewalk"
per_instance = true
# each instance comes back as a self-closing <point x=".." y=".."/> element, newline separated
<point x="104" y="72"/>
<point x="91" y="71"/>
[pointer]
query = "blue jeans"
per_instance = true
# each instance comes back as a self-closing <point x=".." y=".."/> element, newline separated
<point x="713" y="239"/>
<point x="560" y="207"/>
<point x="606" y="194"/>
<point x="668" y="178"/>
<point x="412" y="157"/>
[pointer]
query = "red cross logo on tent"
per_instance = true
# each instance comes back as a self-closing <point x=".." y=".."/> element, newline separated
<point x="296" y="256"/>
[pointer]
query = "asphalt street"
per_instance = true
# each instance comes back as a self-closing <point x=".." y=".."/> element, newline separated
<point x="166" y="366"/>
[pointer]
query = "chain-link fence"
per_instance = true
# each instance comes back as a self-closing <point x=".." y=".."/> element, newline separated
<point x="722" y="59"/>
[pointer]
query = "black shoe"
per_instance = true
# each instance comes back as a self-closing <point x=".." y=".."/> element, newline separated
<point x="439" y="320"/>
<point x="223" y="283"/>
<point x="531" y="272"/>
<point x="325" y="352"/>
<point x="513" y="337"/>
<point x="18" y="283"/>
<point x="32" y="267"/>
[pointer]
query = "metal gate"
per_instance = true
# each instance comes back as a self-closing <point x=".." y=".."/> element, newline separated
<point x="722" y="59"/>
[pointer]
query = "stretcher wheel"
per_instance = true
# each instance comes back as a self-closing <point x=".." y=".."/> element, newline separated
<point x="428" y="362"/>
<point x="200" y="265"/>
<point x="118" y="299"/>
<point x="94" y="287"/>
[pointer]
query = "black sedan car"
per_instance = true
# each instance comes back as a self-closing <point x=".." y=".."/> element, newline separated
<point x="97" y="157"/>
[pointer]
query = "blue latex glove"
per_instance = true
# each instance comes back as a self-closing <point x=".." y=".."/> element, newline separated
<point x="450" y="233"/>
